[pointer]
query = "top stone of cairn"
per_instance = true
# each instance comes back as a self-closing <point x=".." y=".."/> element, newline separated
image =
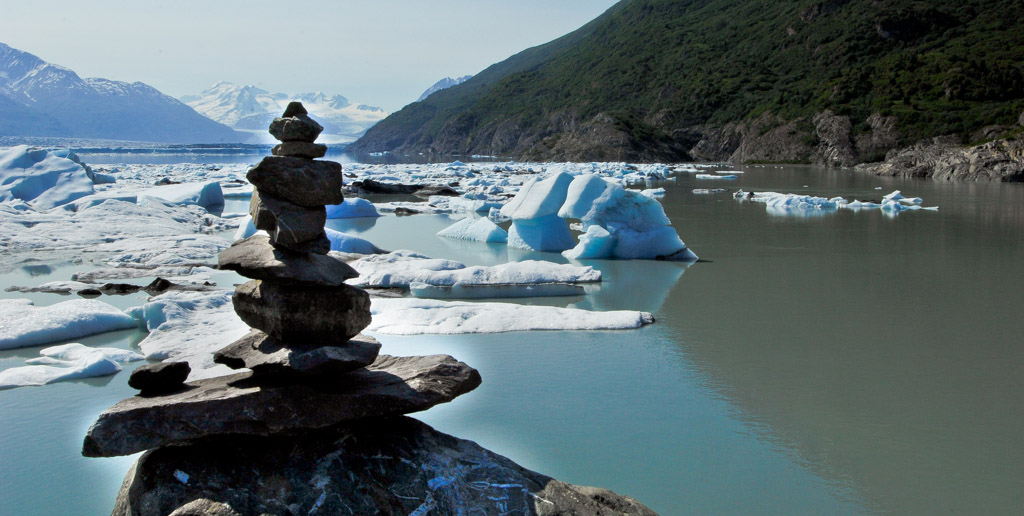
<point x="295" y="125"/>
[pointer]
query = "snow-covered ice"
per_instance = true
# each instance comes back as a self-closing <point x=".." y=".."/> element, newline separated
<point x="44" y="179"/>
<point x="190" y="327"/>
<point x="425" y="316"/>
<point x="401" y="269"/>
<point x="67" y="362"/>
<point x="23" y="324"/>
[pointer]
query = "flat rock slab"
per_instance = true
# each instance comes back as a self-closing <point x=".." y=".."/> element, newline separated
<point x="305" y="182"/>
<point x="237" y="404"/>
<point x="255" y="258"/>
<point x="297" y="313"/>
<point x="289" y="225"/>
<point x="391" y="465"/>
<point x="271" y="358"/>
<point x="299" y="150"/>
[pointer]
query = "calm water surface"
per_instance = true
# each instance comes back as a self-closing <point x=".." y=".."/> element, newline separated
<point x="846" y="363"/>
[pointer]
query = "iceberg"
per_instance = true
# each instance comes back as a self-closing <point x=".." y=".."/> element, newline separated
<point x="534" y="213"/>
<point x="403" y="269"/>
<point x="352" y="207"/>
<point x="634" y="225"/>
<point x="345" y="243"/>
<point x="23" y="324"/>
<point x="406" y="316"/>
<point x="478" y="230"/>
<point x="189" y="327"/>
<point x="44" y="179"/>
<point x="208" y="195"/>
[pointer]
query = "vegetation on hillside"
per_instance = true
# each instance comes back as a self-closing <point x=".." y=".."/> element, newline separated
<point x="940" y="67"/>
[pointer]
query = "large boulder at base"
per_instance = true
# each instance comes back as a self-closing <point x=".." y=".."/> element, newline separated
<point x="288" y="225"/>
<point x="255" y="258"/>
<point x="269" y="357"/>
<point x="385" y="466"/>
<point x="237" y="404"/>
<point x="297" y="313"/>
<point x="309" y="183"/>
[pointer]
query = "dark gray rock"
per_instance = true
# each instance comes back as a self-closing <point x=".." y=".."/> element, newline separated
<point x="308" y="183"/>
<point x="298" y="128"/>
<point x="427" y="191"/>
<point x="239" y="405"/>
<point x="290" y="226"/>
<point x="299" y="150"/>
<point x="947" y="160"/>
<point x="298" y="313"/>
<point x="269" y="357"/>
<point x="294" y="109"/>
<point x="159" y="378"/>
<point x="255" y="258"/>
<point x="391" y="465"/>
<point x="376" y="187"/>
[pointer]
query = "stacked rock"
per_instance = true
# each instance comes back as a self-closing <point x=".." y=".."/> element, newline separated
<point x="310" y="366"/>
<point x="316" y="426"/>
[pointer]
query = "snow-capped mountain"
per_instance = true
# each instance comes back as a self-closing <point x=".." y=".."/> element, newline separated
<point x="447" y="82"/>
<point x="42" y="99"/>
<point x="251" y="109"/>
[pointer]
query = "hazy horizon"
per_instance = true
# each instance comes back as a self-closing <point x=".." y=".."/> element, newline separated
<point x="383" y="53"/>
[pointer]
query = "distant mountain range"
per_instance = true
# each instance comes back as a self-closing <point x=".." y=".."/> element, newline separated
<point x="835" y="82"/>
<point x="445" y="83"/>
<point x="42" y="99"/>
<point x="251" y="109"/>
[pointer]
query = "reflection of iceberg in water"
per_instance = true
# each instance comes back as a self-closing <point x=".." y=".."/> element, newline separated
<point x="638" y="284"/>
<point x="352" y="225"/>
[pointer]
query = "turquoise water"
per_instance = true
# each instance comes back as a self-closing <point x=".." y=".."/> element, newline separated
<point x="848" y="363"/>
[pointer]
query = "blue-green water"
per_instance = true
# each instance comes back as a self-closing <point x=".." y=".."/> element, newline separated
<point x="848" y="363"/>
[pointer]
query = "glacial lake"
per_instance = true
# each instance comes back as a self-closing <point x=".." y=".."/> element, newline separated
<point x="843" y="363"/>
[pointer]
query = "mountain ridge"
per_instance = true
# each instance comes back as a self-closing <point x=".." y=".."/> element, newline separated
<point x="676" y="80"/>
<point x="38" y="98"/>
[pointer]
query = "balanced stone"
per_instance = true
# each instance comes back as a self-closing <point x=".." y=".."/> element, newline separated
<point x="255" y="258"/>
<point x="238" y="405"/>
<point x="294" y="109"/>
<point x="309" y="183"/>
<point x="296" y="313"/>
<point x="299" y="150"/>
<point x="396" y="465"/>
<point x="269" y="357"/>
<point x="298" y="128"/>
<point x="159" y="378"/>
<point x="288" y="225"/>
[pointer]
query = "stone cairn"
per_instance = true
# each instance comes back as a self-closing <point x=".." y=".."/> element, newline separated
<point x="308" y="429"/>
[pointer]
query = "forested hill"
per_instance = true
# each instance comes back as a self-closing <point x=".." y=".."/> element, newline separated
<point x="835" y="82"/>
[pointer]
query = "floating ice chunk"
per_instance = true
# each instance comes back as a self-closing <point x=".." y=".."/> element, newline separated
<point x="478" y="230"/>
<point x="547" y="233"/>
<point x="716" y="176"/>
<point x="352" y="207"/>
<point x="654" y="192"/>
<point x="581" y="195"/>
<point x="87" y="366"/>
<point x="76" y="351"/>
<point x="894" y="196"/>
<point x="345" y="243"/>
<point x="458" y="291"/>
<point x="534" y="213"/>
<point x="402" y="273"/>
<point x="42" y="178"/>
<point x="660" y="243"/>
<point x="596" y="243"/>
<point x="190" y="326"/>
<point x="397" y="269"/>
<point x="409" y="316"/>
<point x="22" y="324"/>
<point x="246" y="228"/>
<point x="707" y="191"/>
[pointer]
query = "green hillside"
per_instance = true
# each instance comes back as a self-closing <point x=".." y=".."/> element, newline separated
<point x="661" y="72"/>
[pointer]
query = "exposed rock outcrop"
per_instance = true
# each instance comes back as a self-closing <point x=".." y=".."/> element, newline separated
<point x="940" y="159"/>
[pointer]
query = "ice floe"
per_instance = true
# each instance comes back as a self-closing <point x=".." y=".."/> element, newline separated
<point x="66" y="362"/>
<point x="189" y="327"/>
<point x="23" y="324"/>
<point x="788" y="204"/>
<point x="426" y="316"/>
<point x="477" y="230"/>
<point x="44" y="179"/>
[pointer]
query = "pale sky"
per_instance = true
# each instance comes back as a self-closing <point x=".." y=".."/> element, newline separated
<point x="382" y="53"/>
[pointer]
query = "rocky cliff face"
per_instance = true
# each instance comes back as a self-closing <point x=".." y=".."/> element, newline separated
<point x="944" y="160"/>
